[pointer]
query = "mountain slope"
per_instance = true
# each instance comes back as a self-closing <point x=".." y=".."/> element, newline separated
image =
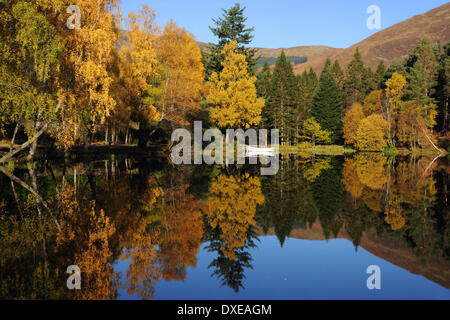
<point x="309" y="51"/>
<point x="393" y="43"/>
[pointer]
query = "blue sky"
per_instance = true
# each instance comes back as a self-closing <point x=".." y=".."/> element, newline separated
<point x="288" y="23"/>
<point x="302" y="269"/>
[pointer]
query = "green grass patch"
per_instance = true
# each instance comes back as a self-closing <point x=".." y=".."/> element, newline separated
<point x="329" y="150"/>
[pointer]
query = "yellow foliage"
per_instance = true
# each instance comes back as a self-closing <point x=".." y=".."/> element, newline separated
<point x="393" y="213"/>
<point x="373" y="199"/>
<point x="373" y="102"/>
<point x="371" y="134"/>
<point x="351" y="121"/>
<point x="232" y="207"/>
<point x="312" y="172"/>
<point x="351" y="180"/>
<point x="183" y="220"/>
<point x="233" y="93"/>
<point x="372" y="170"/>
<point x="182" y="69"/>
<point x="394" y="90"/>
<point x="98" y="274"/>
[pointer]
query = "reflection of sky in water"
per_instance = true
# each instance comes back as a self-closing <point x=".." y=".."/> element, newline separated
<point x="302" y="269"/>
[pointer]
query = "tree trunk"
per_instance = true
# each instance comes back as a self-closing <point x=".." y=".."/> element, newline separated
<point x="34" y="145"/>
<point x="14" y="137"/>
<point x="11" y="154"/>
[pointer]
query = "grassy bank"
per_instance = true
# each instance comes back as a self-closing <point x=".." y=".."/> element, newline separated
<point x="332" y="150"/>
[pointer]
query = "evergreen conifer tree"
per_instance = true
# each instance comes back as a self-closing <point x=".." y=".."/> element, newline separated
<point x="327" y="104"/>
<point x="263" y="81"/>
<point x="282" y="101"/>
<point x="338" y="74"/>
<point x="231" y="26"/>
<point x="379" y="74"/>
<point x="354" y="80"/>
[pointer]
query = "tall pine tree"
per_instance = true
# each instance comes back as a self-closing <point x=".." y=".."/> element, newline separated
<point x="379" y="75"/>
<point x="338" y="74"/>
<point x="327" y="104"/>
<point x="307" y="86"/>
<point x="442" y="92"/>
<point x="229" y="27"/>
<point x="282" y="101"/>
<point x="263" y="81"/>
<point x="354" y="80"/>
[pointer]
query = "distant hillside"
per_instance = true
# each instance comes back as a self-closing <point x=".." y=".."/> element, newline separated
<point x="304" y="51"/>
<point x="310" y="52"/>
<point x="393" y="43"/>
<point x="388" y="45"/>
<point x="272" y="60"/>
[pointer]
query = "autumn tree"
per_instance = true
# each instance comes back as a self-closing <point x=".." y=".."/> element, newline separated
<point x="90" y="99"/>
<point x="313" y="131"/>
<point x="30" y="60"/>
<point x="136" y="66"/>
<point x="181" y="74"/>
<point x="414" y="123"/>
<point x="371" y="134"/>
<point x="230" y="27"/>
<point x="351" y="121"/>
<point x="373" y="103"/>
<point x="394" y="94"/>
<point x="233" y="93"/>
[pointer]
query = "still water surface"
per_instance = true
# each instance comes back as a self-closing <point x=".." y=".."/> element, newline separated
<point x="143" y="229"/>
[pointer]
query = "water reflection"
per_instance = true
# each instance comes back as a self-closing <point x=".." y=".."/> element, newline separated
<point x="156" y="218"/>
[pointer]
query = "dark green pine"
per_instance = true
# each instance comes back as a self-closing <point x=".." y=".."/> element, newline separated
<point x="327" y="104"/>
<point x="282" y="101"/>
<point x="231" y="26"/>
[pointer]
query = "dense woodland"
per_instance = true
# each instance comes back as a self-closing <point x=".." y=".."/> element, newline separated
<point x="122" y="80"/>
<point x="101" y="84"/>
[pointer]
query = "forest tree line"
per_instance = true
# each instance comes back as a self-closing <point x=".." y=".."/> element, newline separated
<point x="405" y="105"/>
<point x="122" y="80"/>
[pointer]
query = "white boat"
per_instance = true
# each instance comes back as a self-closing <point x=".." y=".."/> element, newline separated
<point x="255" y="151"/>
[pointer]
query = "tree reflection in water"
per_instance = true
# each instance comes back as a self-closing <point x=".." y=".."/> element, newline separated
<point x="156" y="217"/>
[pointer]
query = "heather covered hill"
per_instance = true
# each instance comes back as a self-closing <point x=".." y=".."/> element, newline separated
<point x="390" y="44"/>
<point x="393" y="43"/>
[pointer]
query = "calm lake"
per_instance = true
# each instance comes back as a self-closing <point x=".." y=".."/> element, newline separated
<point x="141" y="228"/>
